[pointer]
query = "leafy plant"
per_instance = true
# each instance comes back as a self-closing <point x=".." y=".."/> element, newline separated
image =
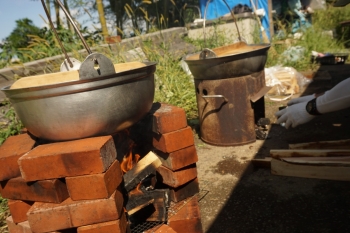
<point x="173" y="85"/>
<point x="316" y="38"/>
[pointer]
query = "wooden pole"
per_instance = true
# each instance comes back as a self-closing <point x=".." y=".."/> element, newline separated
<point x="263" y="32"/>
<point x="270" y="9"/>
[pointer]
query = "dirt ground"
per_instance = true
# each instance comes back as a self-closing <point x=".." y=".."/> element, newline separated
<point x="238" y="197"/>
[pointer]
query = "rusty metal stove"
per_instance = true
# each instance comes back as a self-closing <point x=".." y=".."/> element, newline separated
<point x="226" y="112"/>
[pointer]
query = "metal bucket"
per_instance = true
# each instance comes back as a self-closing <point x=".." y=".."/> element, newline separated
<point x="230" y="83"/>
<point x="226" y="113"/>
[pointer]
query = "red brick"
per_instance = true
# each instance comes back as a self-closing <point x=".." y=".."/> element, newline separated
<point x="73" y="158"/>
<point x="115" y="226"/>
<point x="168" y="118"/>
<point x="54" y="190"/>
<point x="165" y="229"/>
<point x="45" y="217"/>
<point x="19" y="209"/>
<point x="161" y="229"/>
<point x="188" y="218"/>
<point x="12" y="149"/>
<point x="98" y="185"/>
<point x="177" y="178"/>
<point x="173" y="141"/>
<point x="22" y="227"/>
<point x="184" y="191"/>
<point x="178" y="159"/>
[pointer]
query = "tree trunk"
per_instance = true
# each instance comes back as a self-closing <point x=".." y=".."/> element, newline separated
<point x="69" y="25"/>
<point x="58" y="20"/>
<point x="101" y="14"/>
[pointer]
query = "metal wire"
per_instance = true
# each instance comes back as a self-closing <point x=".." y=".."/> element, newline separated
<point x="172" y="210"/>
<point x="56" y="35"/>
<point x="140" y="228"/>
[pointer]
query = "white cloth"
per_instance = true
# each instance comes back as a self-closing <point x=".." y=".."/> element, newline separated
<point x="336" y="99"/>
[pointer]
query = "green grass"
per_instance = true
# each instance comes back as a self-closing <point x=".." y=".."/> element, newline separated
<point x="4" y="213"/>
<point x="314" y="39"/>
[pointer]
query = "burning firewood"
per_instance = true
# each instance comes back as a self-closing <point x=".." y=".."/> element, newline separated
<point x="146" y="166"/>
<point x="148" y="205"/>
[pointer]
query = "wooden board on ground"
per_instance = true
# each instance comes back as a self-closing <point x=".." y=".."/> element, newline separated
<point x="308" y="153"/>
<point x="282" y="168"/>
<point x="262" y="163"/>
<point x="338" y="144"/>
<point x="332" y="161"/>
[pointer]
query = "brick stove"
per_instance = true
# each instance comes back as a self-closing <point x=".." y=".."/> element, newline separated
<point x="78" y="186"/>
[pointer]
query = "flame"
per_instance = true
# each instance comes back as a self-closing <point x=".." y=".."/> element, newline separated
<point x="136" y="190"/>
<point x="129" y="159"/>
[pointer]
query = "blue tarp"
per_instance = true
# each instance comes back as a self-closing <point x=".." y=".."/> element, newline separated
<point x="218" y="8"/>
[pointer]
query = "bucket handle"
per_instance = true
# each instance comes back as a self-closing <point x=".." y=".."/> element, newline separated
<point x="214" y="96"/>
<point x="232" y="14"/>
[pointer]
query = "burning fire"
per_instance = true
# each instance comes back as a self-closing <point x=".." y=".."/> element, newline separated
<point x="136" y="190"/>
<point x="129" y="159"/>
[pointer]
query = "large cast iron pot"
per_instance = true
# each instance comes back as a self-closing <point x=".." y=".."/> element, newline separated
<point x="85" y="108"/>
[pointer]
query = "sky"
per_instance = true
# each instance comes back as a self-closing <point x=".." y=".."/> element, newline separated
<point x="12" y="10"/>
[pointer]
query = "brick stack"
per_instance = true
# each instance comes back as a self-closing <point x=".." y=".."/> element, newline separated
<point x="62" y="187"/>
<point x="174" y="144"/>
<point x="75" y="186"/>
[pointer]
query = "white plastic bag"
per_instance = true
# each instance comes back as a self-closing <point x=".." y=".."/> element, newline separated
<point x="285" y="82"/>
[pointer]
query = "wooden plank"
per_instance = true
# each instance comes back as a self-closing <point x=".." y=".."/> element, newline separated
<point x="155" y="211"/>
<point x="308" y="153"/>
<point x="282" y="168"/>
<point x="338" y="144"/>
<point x="146" y="166"/>
<point x="262" y="163"/>
<point x="333" y="161"/>
<point x="134" y="210"/>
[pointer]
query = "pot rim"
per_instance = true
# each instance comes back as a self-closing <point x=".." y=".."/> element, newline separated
<point x="149" y="68"/>
<point x="263" y="48"/>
